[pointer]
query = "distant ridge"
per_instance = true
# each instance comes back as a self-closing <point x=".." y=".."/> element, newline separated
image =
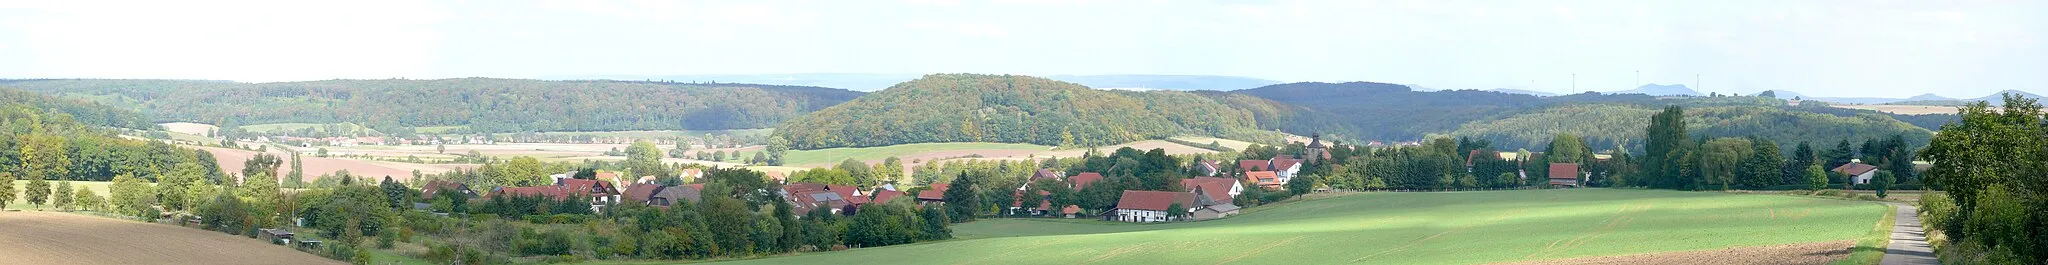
<point x="873" y="82"/>
<point x="1524" y="92"/>
<point x="1661" y="90"/>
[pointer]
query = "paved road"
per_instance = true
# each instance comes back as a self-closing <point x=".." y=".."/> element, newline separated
<point x="1909" y="241"/>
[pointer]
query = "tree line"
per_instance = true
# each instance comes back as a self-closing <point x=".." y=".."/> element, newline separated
<point x="1011" y="109"/>
<point x="1990" y="163"/>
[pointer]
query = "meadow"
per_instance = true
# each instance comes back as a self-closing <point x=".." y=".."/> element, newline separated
<point x="97" y="188"/>
<point x="1408" y="228"/>
<point x="925" y="151"/>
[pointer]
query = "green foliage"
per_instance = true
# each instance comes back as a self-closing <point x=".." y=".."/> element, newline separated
<point x="7" y="191"/>
<point x="36" y="192"/>
<point x="1989" y="162"/>
<point x="1610" y="125"/>
<point x="1010" y="109"/>
<point x="483" y="104"/>
<point x="643" y="159"/>
<point x="1815" y="177"/>
<point x="1764" y="167"/>
<point x="131" y="196"/>
<point x="962" y="200"/>
<point x="62" y="198"/>
<point x="88" y="113"/>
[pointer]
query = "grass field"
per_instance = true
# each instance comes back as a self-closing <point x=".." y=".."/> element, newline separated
<point x="1407" y="228"/>
<point x="834" y="155"/>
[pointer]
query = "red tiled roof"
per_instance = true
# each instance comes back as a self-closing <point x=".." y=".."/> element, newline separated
<point x="1070" y="209"/>
<point x="1154" y="200"/>
<point x="1019" y="198"/>
<point x="1217" y="188"/>
<point x="1262" y="178"/>
<point x="1254" y="165"/>
<point x="936" y="192"/>
<point x="641" y="192"/>
<point x="1281" y="163"/>
<point x="1044" y="173"/>
<point x="1564" y="171"/>
<point x="590" y="186"/>
<point x="434" y="187"/>
<point x="848" y="192"/>
<point x="608" y="176"/>
<point x="886" y="195"/>
<point x="1855" y="169"/>
<point x="1081" y="181"/>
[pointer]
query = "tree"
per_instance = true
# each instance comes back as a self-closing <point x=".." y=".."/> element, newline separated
<point x="62" y="197"/>
<point x="1664" y="148"/>
<point x="132" y="196"/>
<point x="935" y="221"/>
<point x="728" y="220"/>
<point x="890" y="170"/>
<point x="777" y="146"/>
<point x="643" y="159"/>
<point x="440" y="148"/>
<point x="962" y="199"/>
<point x="1722" y="161"/>
<point x="297" y="177"/>
<point x="863" y="175"/>
<point x="1840" y="155"/>
<point x="1300" y="185"/>
<point x="44" y="157"/>
<point x="1816" y="179"/>
<point x="1884" y="183"/>
<point x="87" y="200"/>
<point x="523" y="171"/>
<point x="7" y="191"/>
<point x="37" y="192"/>
<point x="1764" y="167"/>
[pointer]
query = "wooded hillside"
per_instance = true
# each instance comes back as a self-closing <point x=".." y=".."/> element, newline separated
<point x="1012" y="109"/>
<point x="483" y="104"/>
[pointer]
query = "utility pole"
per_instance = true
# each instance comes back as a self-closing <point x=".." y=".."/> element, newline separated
<point x="1575" y="83"/>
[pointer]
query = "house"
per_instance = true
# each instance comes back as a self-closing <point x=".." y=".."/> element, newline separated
<point x="1264" y="179"/>
<point x="1220" y="189"/>
<point x="1859" y="173"/>
<point x="1209" y="168"/>
<point x="1285" y="168"/>
<point x="1070" y="211"/>
<point x="668" y="196"/>
<point x="1210" y="208"/>
<point x="1045" y="173"/>
<point x="807" y="201"/>
<point x="1081" y="181"/>
<point x="936" y="194"/>
<point x="1254" y="165"/>
<point x="435" y="187"/>
<point x="883" y="196"/>
<point x="1564" y="175"/>
<point x="1143" y="206"/>
<point x="599" y="193"/>
<point x="1017" y="203"/>
<point x="849" y="193"/>
<point x="641" y="193"/>
<point x="608" y="176"/>
<point x="691" y="174"/>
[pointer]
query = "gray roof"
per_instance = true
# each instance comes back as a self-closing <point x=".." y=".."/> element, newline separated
<point x="1222" y="207"/>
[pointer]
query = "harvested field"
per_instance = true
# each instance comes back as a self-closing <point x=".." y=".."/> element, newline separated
<point x="189" y="128"/>
<point x="62" y="238"/>
<point x="1806" y="253"/>
<point x="231" y="162"/>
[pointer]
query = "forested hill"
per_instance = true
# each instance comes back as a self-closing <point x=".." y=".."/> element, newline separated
<point x="1378" y="111"/>
<point x="1012" y="109"/>
<point x="81" y="111"/>
<point x="482" y="104"/>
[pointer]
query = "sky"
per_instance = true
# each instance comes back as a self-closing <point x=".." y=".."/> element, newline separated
<point x="1822" y="48"/>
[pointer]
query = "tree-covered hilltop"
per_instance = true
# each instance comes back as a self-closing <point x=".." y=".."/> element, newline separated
<point x="88" y="113"/>
<point x="1379" y="111"/>
<point x="1606" y="126"/>
<point x="1012" y="109"/>
<point x="483" y="104"/>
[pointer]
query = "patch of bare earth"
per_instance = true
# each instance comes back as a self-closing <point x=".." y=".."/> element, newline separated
<point x="59" y="238"/>
<point x="1804" y="253"/>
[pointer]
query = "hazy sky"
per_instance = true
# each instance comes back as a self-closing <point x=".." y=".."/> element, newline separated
<point x="1831" y="48"/>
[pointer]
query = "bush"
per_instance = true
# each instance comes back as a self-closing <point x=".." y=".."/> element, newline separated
<point x="1868" y="197"/>
<point x="1799" y="192"/>
<point x="341" y="251"/>
<point x="1829" y="193"/>
<point x="1938" y="210"/>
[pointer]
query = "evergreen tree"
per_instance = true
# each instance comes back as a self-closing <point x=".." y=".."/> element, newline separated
<point x="962" y="200"/>
<point x="1764" y="167"/>
<point x="1663" y="149"/>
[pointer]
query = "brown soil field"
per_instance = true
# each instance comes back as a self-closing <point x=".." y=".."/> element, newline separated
<point x="1804" y="253"/>
<point x="231" y="162"/>
<point x="62" y="238"/>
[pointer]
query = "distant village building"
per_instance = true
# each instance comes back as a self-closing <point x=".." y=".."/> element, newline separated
<point x="1859" y="173"/>
<point x="1143" y="206"/>
<point x="1564" y="175"/>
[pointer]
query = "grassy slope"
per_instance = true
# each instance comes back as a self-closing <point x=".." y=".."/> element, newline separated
<point x="834" y="155"/>
<point x="1408" y="228"/>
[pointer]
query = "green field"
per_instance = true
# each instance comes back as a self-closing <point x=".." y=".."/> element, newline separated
<point x="1406" y="228"/>
<point x="834" y="155"/>
<point x="97" y="187"/>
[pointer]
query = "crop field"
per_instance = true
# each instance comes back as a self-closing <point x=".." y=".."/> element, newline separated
<point x="925" y="151"/>
<point x="1565" y="226"/>
<point x="231" y="161"/>
<point x="61" y="238"/>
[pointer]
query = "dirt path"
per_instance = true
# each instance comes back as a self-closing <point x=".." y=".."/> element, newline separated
<point x="33" y="237"/>
<point x="1805" y="253"/>
<point x="1909" y="241"/>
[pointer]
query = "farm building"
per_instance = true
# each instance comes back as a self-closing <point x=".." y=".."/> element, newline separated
<point x="599" y="193"/>
<point x="662" y="196"/>
<point x="1220" y="189"/>
<point x="934" y="195"/>
<point x="1264" y="179"/>
<point x="435" y="187"/>
<point x="1143" y="206"/>
<point x="1085" y="178"/>
<point x="1564" y="175"/>
<point x="1209" y="168"/>
<point x="1859" y="173"/>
